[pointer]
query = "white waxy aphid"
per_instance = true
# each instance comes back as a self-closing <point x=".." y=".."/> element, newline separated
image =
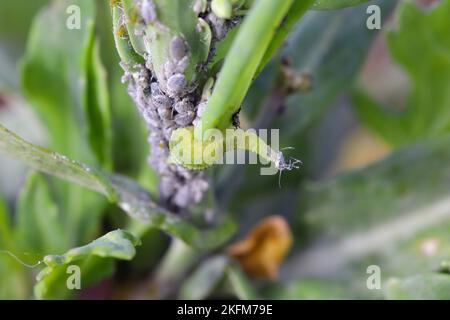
<point x="178" y="48"/>
<point x="184" y="119"/>
<point x="161" y="101"/>
<point x="184" y="106"/>
<point x="165" y="113"/>
<point x="177" y="84"/>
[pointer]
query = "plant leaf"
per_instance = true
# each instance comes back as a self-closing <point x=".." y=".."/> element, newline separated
<point x="5" y="225"/>
<point x="53" y="163"/>
<point x="51" y="75"/>
<point x="96" y="100"/>
<point x="426" y="113"/>
<point x="205" y="279"/>
<point x="51" y="281"/>
<point x="117" y="244"/>
<point x="130" y="196"/>
<point x="39" y="228"/>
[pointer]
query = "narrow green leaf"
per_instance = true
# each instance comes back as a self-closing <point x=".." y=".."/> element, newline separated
<point x="51" y="75"/>
<point x="117" y="244"/>
<point x="53" y="163"/>
<point x="5" y="225"/>
<point x="96" y="100"/>
<point x="52" y="280"/>
<point x="39" y="228"/>
<point x="240" y="284"/>
<point x="205" y="279"/>
<point x="130" y="196"/>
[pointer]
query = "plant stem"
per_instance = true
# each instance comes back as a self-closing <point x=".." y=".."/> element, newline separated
<point x="241" y="63"/>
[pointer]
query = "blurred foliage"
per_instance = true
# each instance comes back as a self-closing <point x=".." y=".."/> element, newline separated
<point x="420" y="36"/>
<point x="393" y="213"/>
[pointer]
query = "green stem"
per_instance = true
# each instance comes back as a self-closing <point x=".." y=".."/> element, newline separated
<point x="296" y="11"/>
<point x="241" y="63"/>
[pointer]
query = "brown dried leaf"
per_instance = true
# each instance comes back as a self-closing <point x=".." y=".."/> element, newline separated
<point x="264" y="248"/>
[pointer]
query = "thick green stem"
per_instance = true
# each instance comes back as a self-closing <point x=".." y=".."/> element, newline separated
<point x="241" y="63"/>
<point x="297" y="10"/>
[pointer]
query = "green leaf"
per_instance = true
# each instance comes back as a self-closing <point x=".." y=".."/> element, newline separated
<point x="420" y="287"/>
<point x="117" y="244"/>
<point x="96" y="100"/>
<point x="52" y="75"/>
<point x="53" y="163"/>
<point x="61" y="82"/>
<point x="378" y="118"/>
<point x="39" y="227"/>
<point x="12" y="275"/>
<point x="239" y="283"/>
<point x="205" y="279"/>
<point x="53" y="281"/>
<point x="336" y="4"/>
<point x="421" y="36"/>
<point x="130" y="196"/>
<point x="5" y="225"/>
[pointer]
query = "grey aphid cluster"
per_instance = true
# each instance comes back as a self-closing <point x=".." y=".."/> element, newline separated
<point x="167" y="100"/>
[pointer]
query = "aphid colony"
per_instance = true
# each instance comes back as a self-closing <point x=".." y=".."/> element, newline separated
<point x="167" y="100"/>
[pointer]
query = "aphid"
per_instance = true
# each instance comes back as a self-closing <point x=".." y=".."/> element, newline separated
<point x="235" y="120"/>
<point x="159" y="99"/>
<point x="198" y="187"/>
<point x="162" y="101"/>
<point x="184" y="119"/>
<point x="178" y="49"/>
<point x="174" y="67"/>
<point x="219" y="27"/>
<point x="165" y="113"/>
<point x="168" y="186"/>
<point x="177" y="84"/>
<point x="148" y="11"/>
<point x="152" y="118"/>
<point x="183" y="197"/>
<point x="184" y="106"/>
